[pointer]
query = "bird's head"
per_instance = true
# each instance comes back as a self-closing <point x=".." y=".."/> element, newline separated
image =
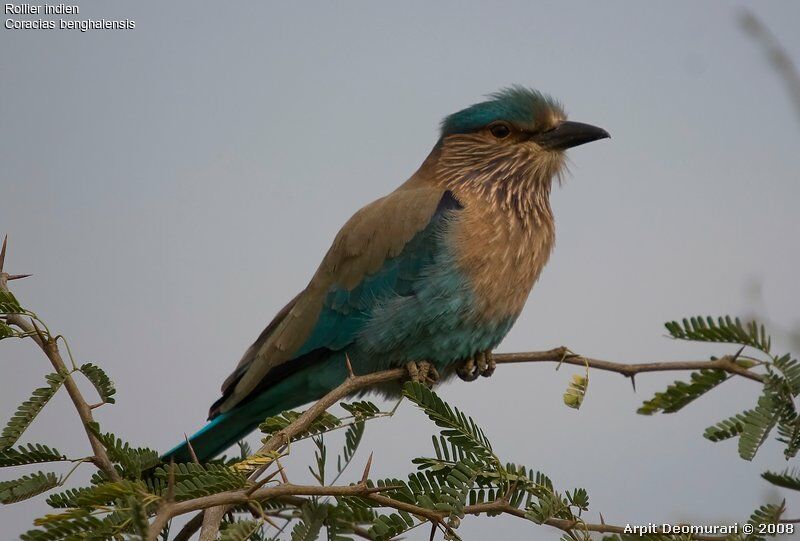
<point x="511" y="145"/>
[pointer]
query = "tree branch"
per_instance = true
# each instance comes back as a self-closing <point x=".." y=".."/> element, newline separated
<point x="564" y="355"/>
<point x="238" y="497"/>
<point x="354" y="383"/>
<point x="49" y="346"/>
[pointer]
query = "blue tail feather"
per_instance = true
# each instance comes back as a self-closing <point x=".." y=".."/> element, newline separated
<point x="227" y="428"/>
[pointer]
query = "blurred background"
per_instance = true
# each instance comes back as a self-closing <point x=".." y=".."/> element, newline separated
<point x="171" y="187"/>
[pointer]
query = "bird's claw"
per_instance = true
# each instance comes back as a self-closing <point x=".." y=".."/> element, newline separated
<point x="422" y="372"/>
<point x="481" y="364"/>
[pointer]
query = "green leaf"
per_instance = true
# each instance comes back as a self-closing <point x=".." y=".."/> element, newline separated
<point x="27" y="486"/>
<point x="9" y="304"/>
<point x="724" y="329"/>
<point x="101" y="381"/>
<point x="390" y="526"/>
<point x="6" y="331"/>
<point x="729" y="428"/>
<point x="67" y="498"/>
<point x="680" y="393"/>
<point x="787" y="479"/>
<point x="323" y="423"/>
<point x="790" y="368"/>
<point x="767" y="514"/>
<point x="321" y="458"/>
<point x="240" y="531"/>
<point x="459" y="429"/>
<point x="352" y="439"/>
<point x="132" y="460"/>
<point x="757" y="424"/>
<point x="195" y="480"/>
<point x="31" y="454"/>
<point x="28" y="410"/>
<point x="362" y="409"/>
<point x="312" y="518"/>
<point x="579" y="498"/>
<point x="77" y="528"/>
<point x="106" y="493"/>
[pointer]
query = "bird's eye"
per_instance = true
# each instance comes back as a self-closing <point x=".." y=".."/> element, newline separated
<point x="501" y="131"/>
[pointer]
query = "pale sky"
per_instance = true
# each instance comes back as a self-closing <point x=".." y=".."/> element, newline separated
<point x="172" y="186"/>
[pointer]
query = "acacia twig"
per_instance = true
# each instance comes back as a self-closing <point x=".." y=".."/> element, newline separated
<point x="563" y="355"/>
<point x="49" y="346"/>
<point x="355" y="383"/>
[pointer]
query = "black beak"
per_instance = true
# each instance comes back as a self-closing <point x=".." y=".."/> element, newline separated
<point x="569" y="134"/>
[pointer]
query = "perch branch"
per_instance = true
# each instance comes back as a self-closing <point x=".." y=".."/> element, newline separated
<point x="355" y="383"/>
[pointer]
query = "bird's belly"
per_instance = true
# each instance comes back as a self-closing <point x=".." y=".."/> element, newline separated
<point x="438" y="324"/>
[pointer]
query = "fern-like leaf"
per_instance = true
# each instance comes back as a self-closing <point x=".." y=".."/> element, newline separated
<point x="757" y="424"/>
<point x="323" y="423"/>
<point x="195" y="480"/>
<point x="459" y="429"/>
<point x="390" y="526"/>
<point x="32" y="453"/>
<point x="724" y="329"/>
<point x="680" y="393"/>
<point x="9" y="304"/>
<point x="240" y="531"/>
<point x="6" y="331"/>
<point x="132" y="460"/>
<point x="766" y="514"/>
<point x="790" y="369"/>
<point x="312" y="518"/>
<point x="102" y="383"/>
<point x="729" y="428"/>
<point x="28" y="410"/>
<point x="88" y="527"/>
<point x="27" y="486"/>
<point x="787" y="479"/>
<point x="352" y="439"/>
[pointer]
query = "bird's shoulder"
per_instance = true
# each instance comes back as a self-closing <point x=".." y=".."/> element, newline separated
<point x="380" y="231"/>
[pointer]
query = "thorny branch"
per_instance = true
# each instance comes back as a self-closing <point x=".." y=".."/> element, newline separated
<point x="211" y="517"/>
<point x="213" y="508"/>
<point x="49" y="346"/>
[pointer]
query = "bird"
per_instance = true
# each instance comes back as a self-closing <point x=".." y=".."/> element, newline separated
<point x="430" y="277"/>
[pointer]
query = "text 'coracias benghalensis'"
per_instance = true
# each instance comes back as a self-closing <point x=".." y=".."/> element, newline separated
<point x="431" y="276"/>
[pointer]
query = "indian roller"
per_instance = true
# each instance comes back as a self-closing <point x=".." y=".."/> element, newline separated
<point x="431" y="277"/>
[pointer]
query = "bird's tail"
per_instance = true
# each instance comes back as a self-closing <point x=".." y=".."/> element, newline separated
<point x="231" y="426"/>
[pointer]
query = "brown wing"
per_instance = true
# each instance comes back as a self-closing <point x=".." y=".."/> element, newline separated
<point x="376" y="232"/>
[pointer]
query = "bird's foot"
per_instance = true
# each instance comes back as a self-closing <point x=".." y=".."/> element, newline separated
<point x="482" y="364"/>
<point x="422" y="372"/>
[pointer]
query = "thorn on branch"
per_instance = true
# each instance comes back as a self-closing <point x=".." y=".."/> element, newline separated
<point x="263" y="482"/>
<point x="8" y="277"/>
<point x="191" y="450"/>
<point x="365" y="475"/>
<point x="281" y="471"/>
<point x="39" y="332"/>
<point x="350" y="372"/>
<point x="3" y="253"/>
